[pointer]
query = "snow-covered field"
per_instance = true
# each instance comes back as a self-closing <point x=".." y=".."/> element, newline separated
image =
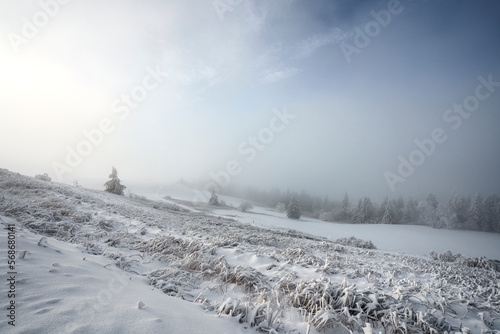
<point x="91" y="262"/>
<point x="411" y="239"/>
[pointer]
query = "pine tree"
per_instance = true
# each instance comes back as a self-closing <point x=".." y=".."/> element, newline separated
<point x="344" y="211"/>
<point x="476" y="214"/>
<point x="460" y="209"/>
<point x="364" y="212"/>
<point x="214" y="200"/>
<point x="389" y="216"/>
<point x="432" y="201"/>
<point x="114" y="186"/>
<point x="305" y="201"/>
<point x="346" y="203"/>
<point x="383" y="206"/>
<point x="399" y="207"/>
<point x="293" y="211"/>
<point x="491" y="213"/>
<point x="429" y="216"/>
<point x="411" y="211"/>
<point x="327" y="205"/>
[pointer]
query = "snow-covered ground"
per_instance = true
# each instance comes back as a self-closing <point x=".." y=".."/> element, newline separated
<point x="93" y="262"/>
<point x="61" y="288"/>
<point x="411" y="239"/>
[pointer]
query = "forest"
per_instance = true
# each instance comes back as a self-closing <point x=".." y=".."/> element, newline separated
<point x="468" y="212"/>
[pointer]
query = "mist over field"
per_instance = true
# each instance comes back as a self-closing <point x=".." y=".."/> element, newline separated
<point x="383" y="98"/>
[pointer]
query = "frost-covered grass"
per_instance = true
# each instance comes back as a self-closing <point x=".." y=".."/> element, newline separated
<point x="355" y="242"/>
<point x="412" y="239"/>
<point x="275" y="281"/>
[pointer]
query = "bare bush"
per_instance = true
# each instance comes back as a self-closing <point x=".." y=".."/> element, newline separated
<point x="245" y="206"/>
<point x="355" y="242"/>
<point x="43" y="177"/>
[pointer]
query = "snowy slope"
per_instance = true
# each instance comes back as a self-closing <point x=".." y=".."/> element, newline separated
<point x="412" y="239"/>
<point x="63" y="289"/>
<point x="395" y="238"/>
<point x="87" y="261"/>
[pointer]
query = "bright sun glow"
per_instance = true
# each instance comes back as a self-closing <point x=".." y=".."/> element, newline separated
<point x="40" y="89"/>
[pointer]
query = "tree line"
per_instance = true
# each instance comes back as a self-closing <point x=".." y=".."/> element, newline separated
<point x="466" y="212"/>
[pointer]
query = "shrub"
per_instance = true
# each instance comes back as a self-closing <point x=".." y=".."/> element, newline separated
<point x="355" y="242"/>
<point x="245" y="206"/>
<point x="43" y="177"/>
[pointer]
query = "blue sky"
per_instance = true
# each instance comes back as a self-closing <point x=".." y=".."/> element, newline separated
<point x="223" y="67"/>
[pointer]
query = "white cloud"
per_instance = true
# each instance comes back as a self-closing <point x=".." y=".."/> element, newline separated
<point x="275" y="75"/>
<point x="309" y="45"/>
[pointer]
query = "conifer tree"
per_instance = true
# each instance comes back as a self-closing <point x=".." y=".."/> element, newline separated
<point x="476" y="213"/>
<point x="383" y="206"/>
<point x="432" y="201"/>
<point x="345" y="202"/>
<point x="411" y="211"/>
<point x="492" y="214"/>
<point x="114" y="186"/>
<point x="364" y="212"/>
<point x="293" y="211"/>
<point x="214" y="200"/>
<point x="389" y="216"/>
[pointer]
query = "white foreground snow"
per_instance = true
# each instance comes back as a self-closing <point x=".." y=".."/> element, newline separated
<point x="93" y="262"/>
<point x="60" y="288"/>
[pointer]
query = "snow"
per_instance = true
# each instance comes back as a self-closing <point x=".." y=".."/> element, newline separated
<point x="62" y="289"/>
<point x="411" y="239"/>
<point x="94" y="262"/>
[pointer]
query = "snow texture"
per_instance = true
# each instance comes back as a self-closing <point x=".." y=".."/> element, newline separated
<point x="94" y="262"/>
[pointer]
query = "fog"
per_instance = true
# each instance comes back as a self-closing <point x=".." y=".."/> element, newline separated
<point x="375" y="98"/>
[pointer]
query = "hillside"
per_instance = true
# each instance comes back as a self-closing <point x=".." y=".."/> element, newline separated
<point x="87" y="261"/>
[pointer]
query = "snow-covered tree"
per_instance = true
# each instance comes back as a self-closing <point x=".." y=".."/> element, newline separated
<point x="281" y="207"/>
<point x="399" y="207"/>
<point x="317" y="206"/>
<point x="327" y="205"/>
<point x="432" y="201"/>
<point x="492" y="214"/>
<point x="346" y="204"/>
<point x="389" y="216"/>
<point x="214" y="200"/>
<point x="459" y="206"/>
<point x="427" y="211"/>
<point x="476" y="213"/>
<point x="364" y="212"/>
<point x="293" y="210"/>
<point x="342" y="212"/>
<point x="114" y="186"/>
<point x="382" y="207"/>
<point x="411" y="212"/>
<point x="306" y="202"/>
<point x="443" y="217"/>
<point x="245" y="206"/>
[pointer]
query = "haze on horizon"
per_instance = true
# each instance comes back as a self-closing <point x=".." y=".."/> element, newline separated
<point x="323" y="96"/>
